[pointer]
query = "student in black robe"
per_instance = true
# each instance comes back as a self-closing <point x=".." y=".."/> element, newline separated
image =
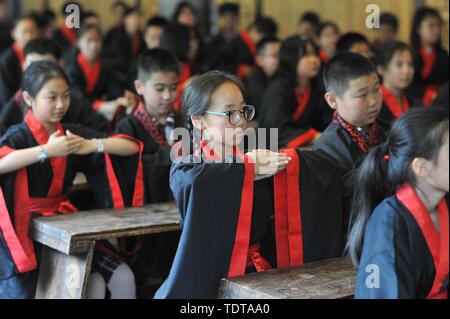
<point x="118" y="9"/>
<point x="399" y="240"/>
<point x="395" y="65"/>
<point x="442" y="98"/>
<point x="182" y="41"/>
<point x="39" y="160"/>
<point x="308" y="25"/>
<point x="239" y="236"/>
<point x="327" y="37"/>
<point x="237" y="56"/>
<point x="355" y="42"/>
<point x="267" y="61"/>
<point x="294" y="102"/>
<point x="93" y="79"/>
<point x="387" y="31"/>
<point x="11" y="60"/>
<point x="153" y="31"/>
<point x="353" y="91"/>
<point x="430" y="58"/>
<point x="228" y="25"/>
<point x="80" y="111"/>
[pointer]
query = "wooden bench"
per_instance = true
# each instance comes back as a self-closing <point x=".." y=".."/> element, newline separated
<point x="68" y="242"/>
<point x="326" y="279"/>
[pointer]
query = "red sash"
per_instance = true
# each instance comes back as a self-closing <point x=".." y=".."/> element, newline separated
<point x="392" y="103"/>
<point x="91" y="72"/>
<point x="428" y="62"/>
<point x="436" y="242"/>
<point x="19" y="53"/>
<point x="244" y="69"/>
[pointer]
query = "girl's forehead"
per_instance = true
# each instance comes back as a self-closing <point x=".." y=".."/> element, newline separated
<point x="55" y="84"/>
<point x="227" y="94"/>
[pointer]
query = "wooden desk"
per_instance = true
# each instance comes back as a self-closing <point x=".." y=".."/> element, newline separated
<point x="69" y="242"/>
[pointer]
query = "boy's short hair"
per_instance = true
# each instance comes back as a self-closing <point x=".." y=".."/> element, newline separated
<point x="389" y="19"/>
<point x="156" y="60"/>
<point x="266" y="26"/>
<point x="43" y="46"/>
<point x="343" y="68"/>
<point x="261" y="45"/>
<point x="229" y="7"/>
<point x="157" y="21"/>
<point x="349" y="39"/>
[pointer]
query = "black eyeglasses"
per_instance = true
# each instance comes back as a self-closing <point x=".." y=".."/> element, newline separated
<point x="235" y="117"/>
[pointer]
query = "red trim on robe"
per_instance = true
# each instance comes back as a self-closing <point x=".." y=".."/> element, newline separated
<point x="91" y="72"/>
<point x="302" y="138"/>
<point x="436" y="242"/>
<point x="288" y="223"/>
<point x="244" y="69"/>
<point x="428" y="62"/>
<point x="430" y="93"/>
<point x="392" y="104"/>
<point x="323" y="56"/>
<point x="69" y="34"/>
<point x="302" y="100"/>
<point x="19" y="54"/>
<point x="184" y="76"/>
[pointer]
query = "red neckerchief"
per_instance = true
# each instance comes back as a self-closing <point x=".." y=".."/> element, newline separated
<point x="184" y="76"/>
<point x="323" y="56"/>
<point x="135" y="46"/>
<point x="428" y="62"/>
<point x="436" y="242"/>
<point x="302" y="100"/>
<point x="365" y="141"/>
<point x="392" y="103"/>
<point x="91" y="72"/>
<point x="152" y="128"/>
<point x="19" y="54"/>
<point x="69" y="34"/>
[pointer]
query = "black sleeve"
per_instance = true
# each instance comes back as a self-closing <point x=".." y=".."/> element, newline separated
<point x="80" y="111"/>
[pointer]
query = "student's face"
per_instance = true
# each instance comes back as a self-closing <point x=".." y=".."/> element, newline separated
<point x="440" y="171"/>
<point x="385" y="32"/>
<point x="400" y="71"/>
<point x="118" y="13"/>
<point x="307" y="29"/>
<point x="430" y="30"/>
<point x="229" y="22"/>
<point x="25" y="31"/>
<point x="90" y="44"/>
<point x="309" y="65"/>
<point x="34" y="57"/>
<point x="193" y="46"/>
<point x="133" y="22"/>
<point x="153" y="36"/>
<point x="328" y="39"/>
<point x="187" y="17"/>
<point x="51" y="102"/>
<point x="268" y="59"/>
<point x="361" y="102"/>
<point x="93" y="20"/>
<point x="159" y="92"/>
<point x="227" y="97"/>
<point x="362" y="48"/>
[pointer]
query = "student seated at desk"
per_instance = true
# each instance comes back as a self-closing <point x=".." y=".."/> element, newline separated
<point x="38" y="162"/>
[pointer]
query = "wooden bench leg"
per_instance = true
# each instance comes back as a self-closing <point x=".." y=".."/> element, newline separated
<point x="63" y="276"/>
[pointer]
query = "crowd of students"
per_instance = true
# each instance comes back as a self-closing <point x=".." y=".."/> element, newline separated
<point x="373" y="183"/>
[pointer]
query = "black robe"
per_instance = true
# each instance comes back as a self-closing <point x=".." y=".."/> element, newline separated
<point x="256" y="83"/>
<point x="442" y="98"/>
<point x="79" y="112"/>
<point x="18" y="274"/>
<point x="10" y="75"/>
<point x="220" y="202"/>
<point x="396" y="245"/>
<point x="337" y="142"/>
<point x="279" y="105"/>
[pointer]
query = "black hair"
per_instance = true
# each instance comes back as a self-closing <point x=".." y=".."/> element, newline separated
<point x="343" y="68"/>
<point x="157" y="21"/>
<point x="182" y="5"/>
<point x="88" y="27"/>
<point x="88" y="14"/>
<point x="39" y="73"/>
<point x="176" y="38"/>
<point x="327" y="24"/>
<point x="310" y="17"/>
<point x="39" y="18"/>
<point x="119" y="4"/>
<point x="261" y="45"/>
<point x="229" y="7"/>
<point x="43" y="46"/>
<point x="292" y="50"/>
<point x="31" y="17"/>
<point x="130" y="10"/>
<point x="156" y="60"/>
<point x="387" y="50"/>
<point x="417" y="133"/>
<point x="266" y="26"/>
<point x="349" y="39"/>
<point x="420" y="15"/>
<point x="197" y="96"/>
<point x="389" y="19"/>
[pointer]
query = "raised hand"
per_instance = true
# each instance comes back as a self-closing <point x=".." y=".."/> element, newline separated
<point x="62" y="145"/>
